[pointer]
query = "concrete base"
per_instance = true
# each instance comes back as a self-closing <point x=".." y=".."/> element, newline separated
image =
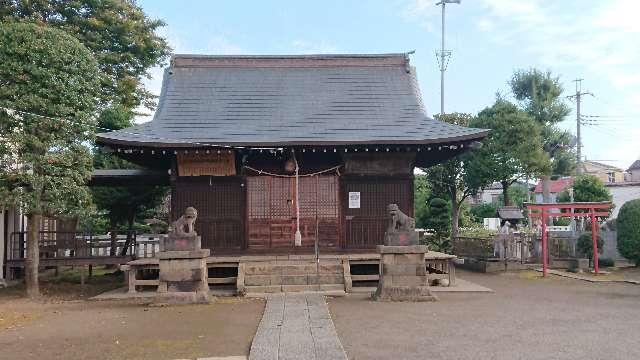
<point x="183" y="277"/>
<point x="181" y="298"/>
<point x="403" y="274"/>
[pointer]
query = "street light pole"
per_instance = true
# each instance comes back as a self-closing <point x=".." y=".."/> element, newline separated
<point x="444" y="54"/>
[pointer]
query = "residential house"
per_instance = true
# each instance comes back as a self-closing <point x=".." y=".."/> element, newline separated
<point x="555" y="187"/>
<point x="633" y="172"/>
<point x="606" y="173"/>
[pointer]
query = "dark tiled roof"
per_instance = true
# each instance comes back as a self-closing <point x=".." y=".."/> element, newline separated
<point x="510" y="213"/>
<point x="635" y="165"/>
<point x="290" y="100"/>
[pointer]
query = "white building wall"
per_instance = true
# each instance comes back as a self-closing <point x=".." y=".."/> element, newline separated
<point x="622" y="194"/>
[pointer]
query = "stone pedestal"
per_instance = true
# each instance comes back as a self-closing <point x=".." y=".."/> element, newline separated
<point x="183" y="271"/>
<point x="403" y="274"/>
<point x="401" y="238"/>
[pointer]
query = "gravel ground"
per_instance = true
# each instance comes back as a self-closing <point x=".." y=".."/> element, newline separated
<point x="526" y="318"/>
<point x="126" y="329"/>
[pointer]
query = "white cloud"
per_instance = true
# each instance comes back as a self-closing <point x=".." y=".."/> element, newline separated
<point x="423" y="12"/>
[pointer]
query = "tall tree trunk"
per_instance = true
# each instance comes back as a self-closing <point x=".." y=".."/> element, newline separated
<point x="546" y="194"/>
<point x="32" y="261"/>
<point x="455" y="214"/>
<point x="127" y="242"/>
<point x="505" y="193"/>
<point x="546" y="191"/>
<point x="113" y="251"/>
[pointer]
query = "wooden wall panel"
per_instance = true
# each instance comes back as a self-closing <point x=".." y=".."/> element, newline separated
<point x="364" y="227"/>
<point x="220" y="205"/>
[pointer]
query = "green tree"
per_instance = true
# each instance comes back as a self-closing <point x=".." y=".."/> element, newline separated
<point x="123" y="40"/>
<point x="421" y="195"/>
<point x="44" y="159"/>
<point x="540" y="95"/>
<point x="518" y="194"/>
<point x="440" y="222"/>
<point x="447" y="179"/>
<point x="512" y="150"/>
<point x="484" y="210"/>
<point x="122" y="205"/>
<point x="584" y="245"/>
<point x="586" y="188"/>
<point x="628" y="230"/>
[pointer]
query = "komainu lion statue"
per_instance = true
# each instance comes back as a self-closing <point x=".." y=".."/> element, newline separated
<point x="399" y="221"/>
<point x="184" y="226"/>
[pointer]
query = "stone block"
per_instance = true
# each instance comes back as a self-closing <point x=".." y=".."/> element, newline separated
<point x="174" y="271"/>
<point x="332" y="287"/>
<point x="325" y="279"/>
<point x="294" y="279"/>
<point x="275" y="279"/>
<point x="409" y="280"/>
<point x="258" y="269"/>
<point x="403" y="269"/>
<point x="406" y="259"/>
<point x="298" y="288"/>
<point x="411" y="249"/>
<point x="263" y="289"/>
<point x="404" y="293"/>
<point x="191" y="254"/>
<point x="401" y="238"/>
<point x="179" y="243"/>
<point x="257" y="280"/>
<point x="301" y="269"/>
<point x="330" y="268"/>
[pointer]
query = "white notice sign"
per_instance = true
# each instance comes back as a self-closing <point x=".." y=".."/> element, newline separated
<point x="354" y="200"/>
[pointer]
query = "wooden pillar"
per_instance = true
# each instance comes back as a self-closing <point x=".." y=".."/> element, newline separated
<point x="543" y="217"/>
<point x="594" y="239"/>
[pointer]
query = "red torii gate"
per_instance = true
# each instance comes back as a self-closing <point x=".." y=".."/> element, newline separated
<point x="591" y="213"/>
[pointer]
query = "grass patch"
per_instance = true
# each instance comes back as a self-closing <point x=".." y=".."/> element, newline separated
<point x="67" y="285"/>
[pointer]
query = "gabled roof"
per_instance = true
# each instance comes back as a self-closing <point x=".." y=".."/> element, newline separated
<point x="635" y="165"/>
<point x="290" y="100"/>
<point x="594" y="166"/>
<point x="510" y="213"/>
<point x="555" y="186"/>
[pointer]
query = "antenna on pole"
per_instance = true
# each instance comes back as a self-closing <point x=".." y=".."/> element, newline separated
<point x="443" y="55"/>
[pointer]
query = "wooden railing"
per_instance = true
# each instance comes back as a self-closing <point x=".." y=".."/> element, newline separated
<point x="58" y="244"/>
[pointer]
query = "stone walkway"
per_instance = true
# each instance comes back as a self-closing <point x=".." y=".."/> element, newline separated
<point x="296" y="326"/>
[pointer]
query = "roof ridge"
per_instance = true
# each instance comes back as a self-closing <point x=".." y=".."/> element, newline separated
<point x="313" y="60"/>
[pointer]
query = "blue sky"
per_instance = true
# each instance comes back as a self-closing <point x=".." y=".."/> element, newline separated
<point x="594" y="40"/>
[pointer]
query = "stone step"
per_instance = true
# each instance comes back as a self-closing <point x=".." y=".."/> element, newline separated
<point x="292" y="288"/>
<point x="282" y="268"/>
<point x="305" y="279"/>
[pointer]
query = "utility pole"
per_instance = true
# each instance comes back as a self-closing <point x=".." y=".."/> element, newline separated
<point x="578" y="97"/>
<point x="443" y="55"/>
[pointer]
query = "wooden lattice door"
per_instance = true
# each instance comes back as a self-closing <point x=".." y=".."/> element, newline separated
<point x="271" y="211"/>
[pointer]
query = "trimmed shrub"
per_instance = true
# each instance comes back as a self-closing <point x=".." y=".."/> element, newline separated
<point x="584" y="245"/>
<point x="605" y="262"/>
<point x="628" y="224"/>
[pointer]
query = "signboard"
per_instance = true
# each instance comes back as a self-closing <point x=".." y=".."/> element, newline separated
<point x="354" y="200"/>
<point x="191" y="164"/>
